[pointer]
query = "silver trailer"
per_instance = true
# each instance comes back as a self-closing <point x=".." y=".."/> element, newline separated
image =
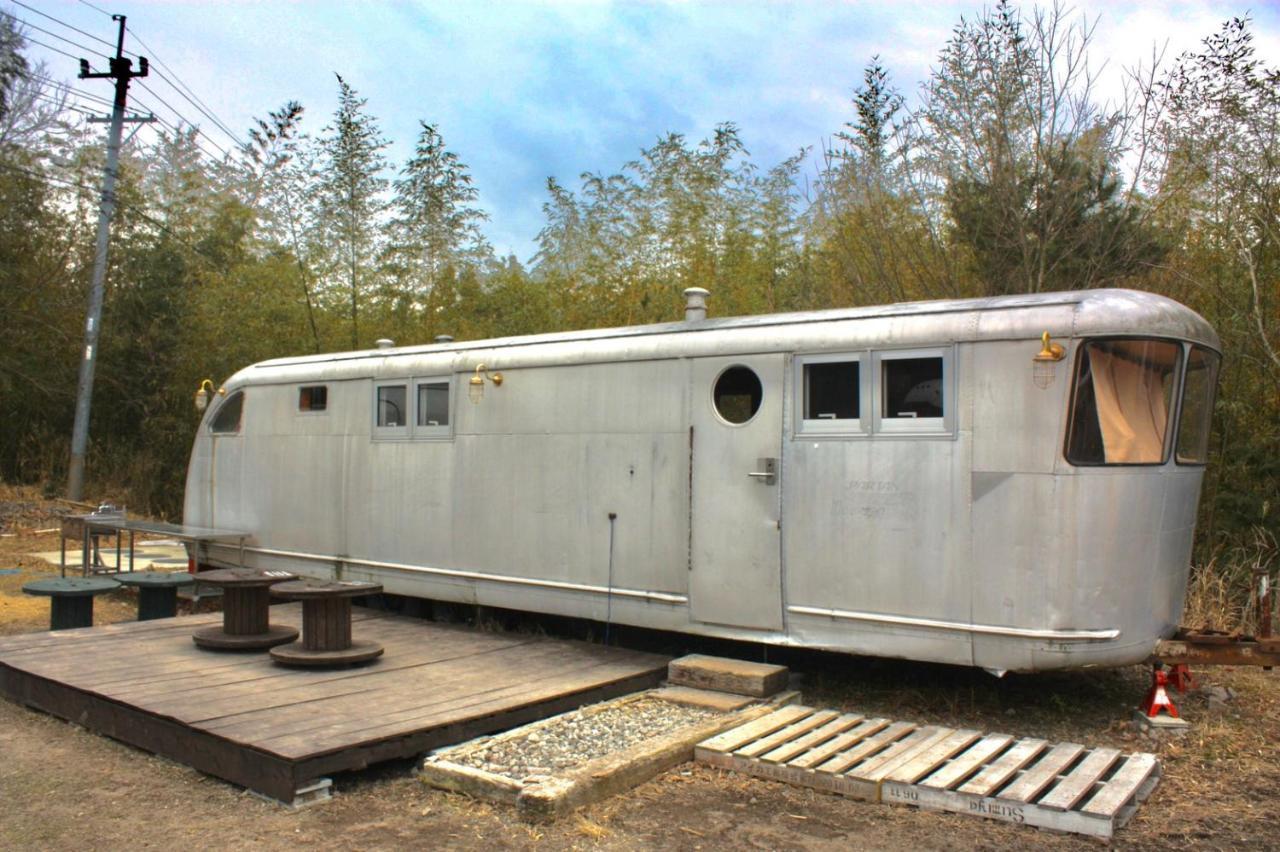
<point x="1008" y="483"/>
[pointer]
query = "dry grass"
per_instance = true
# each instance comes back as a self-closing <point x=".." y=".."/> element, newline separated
<point x="1223" y="593"/>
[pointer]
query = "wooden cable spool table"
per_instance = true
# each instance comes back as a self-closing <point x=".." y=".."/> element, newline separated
<point x="157" y="591"/>
<point x="326" y="624"/>
<point x="246" y="604"/>
<point x="71" y="599"/>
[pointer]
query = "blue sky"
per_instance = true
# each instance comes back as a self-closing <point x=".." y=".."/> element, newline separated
<point x="524" y="91"/>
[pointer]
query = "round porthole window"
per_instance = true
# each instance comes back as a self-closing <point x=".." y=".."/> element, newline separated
<point x="737" y="394"/>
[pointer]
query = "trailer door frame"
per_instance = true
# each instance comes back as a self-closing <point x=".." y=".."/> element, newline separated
<point x="735" y="557"/>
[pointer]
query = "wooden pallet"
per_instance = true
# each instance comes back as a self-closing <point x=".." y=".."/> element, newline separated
<point x="1064" y="787"/>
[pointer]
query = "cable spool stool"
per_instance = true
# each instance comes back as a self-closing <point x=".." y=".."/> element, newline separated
<point x="245" y="611"/>
<point x="71" y="599"/>
<point x="157" y="591"/>
<point x="326" y="624"/>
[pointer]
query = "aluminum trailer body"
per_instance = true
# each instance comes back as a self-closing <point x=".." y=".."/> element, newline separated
<point x="900" y="481"/>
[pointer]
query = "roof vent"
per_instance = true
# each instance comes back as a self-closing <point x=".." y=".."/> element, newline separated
<point x="695" y="304"/>
<point x="384" y="343"/>
<point x="444" y="338"/>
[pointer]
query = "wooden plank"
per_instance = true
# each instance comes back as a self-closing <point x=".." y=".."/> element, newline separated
<point x="879" y="767"/>
<point x="1073" y="788"/>
<point x="993" y="776"/>
<point x="759" y="680"/>
<point x="738" y="737"/>
<point x="1042" y="773"/>
<point x="1121" y="786"/>
<point x="783" y="753"/>
<point x="786" y="735"/>
<point x="840" y="743"/>
<point x="501" y="702"/>
<point x="930" y="759"/>
<point x="452" y="682"/>
<point x="845" y="759"/>
<point x="964" y="765"/>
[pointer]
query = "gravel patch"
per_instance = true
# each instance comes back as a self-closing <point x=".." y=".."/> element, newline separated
<point x="581" y="735"/>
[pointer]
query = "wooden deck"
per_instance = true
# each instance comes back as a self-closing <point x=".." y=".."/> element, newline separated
<point x="275" y="730"/>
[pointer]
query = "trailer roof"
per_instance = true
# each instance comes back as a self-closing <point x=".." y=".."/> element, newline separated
<point x="1093" y="312"/>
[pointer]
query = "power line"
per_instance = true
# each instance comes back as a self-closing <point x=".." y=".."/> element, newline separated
<point x="179" y="86"/>
<point x="93" y="50"/>
<point x="54" y="49"/>
<point x="184" y="119"/>
<point x="58" y="84"/>
<point x="146" y="217"/>
<point x="98" y="9"/>
<point x="65" y="24"/>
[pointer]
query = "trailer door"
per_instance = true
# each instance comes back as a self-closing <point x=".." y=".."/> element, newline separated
<point x="736" y="483"/>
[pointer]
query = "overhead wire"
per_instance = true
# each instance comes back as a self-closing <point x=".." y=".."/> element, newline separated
<point x="189" y="95"/>
<point x="63" y="23"/>
<point x="133" y="210"/>
<point x="179" y="86"/>
<point x="182" y="117"/>
<point x="92" y="50"/>
<point x="98" y="9"/>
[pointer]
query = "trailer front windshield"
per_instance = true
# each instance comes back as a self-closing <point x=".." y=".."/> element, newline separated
<point x="1122" y="402"/>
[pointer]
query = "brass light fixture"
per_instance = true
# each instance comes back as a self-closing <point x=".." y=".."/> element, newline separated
<point x="1044" y="364"/>
<point x="476" y="384"/>
<point x="202" y="395"/>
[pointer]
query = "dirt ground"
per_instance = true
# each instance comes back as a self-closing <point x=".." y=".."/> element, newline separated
<point x="64" y="788"/>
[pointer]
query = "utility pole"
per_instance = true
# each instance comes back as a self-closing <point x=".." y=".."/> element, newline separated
<point x="121" y="72"/>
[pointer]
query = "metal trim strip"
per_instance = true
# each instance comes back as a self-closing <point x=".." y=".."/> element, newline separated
<point x="656" y="597"/>
<point x="985" y="629"/>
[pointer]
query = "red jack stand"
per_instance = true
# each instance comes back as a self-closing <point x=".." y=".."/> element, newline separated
<point x="1158" y="700"/>
<point x="1181" y="678"/>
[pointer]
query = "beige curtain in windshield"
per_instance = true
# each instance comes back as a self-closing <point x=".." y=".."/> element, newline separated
<point x="1128" y="384"/>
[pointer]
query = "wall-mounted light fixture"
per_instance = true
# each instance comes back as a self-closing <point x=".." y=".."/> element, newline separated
<point x="1044" y="364"/>
<point x="202" y="395"/>
<point x="476" y="389"/>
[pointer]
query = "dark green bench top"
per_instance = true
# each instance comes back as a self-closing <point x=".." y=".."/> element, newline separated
<point x="70" y="587"/>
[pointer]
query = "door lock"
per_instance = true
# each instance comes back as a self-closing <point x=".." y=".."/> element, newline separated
<point x="768" y="473"/>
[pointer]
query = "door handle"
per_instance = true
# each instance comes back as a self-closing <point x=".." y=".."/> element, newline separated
<point x="769" y="474"/>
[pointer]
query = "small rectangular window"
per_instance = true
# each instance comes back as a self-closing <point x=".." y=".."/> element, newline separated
<point x="831" y="391"/>
<point x="314" y="398"/>
<point x="433" y="404"/>
<point x="912" y="388"/>
<point x="1197" y="406"/>
<point x="392" y="406"/>
<point x="829" y="394"/>
<point x="1121" y="401"/>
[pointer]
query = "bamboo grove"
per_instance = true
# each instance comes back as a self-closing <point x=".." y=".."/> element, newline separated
<point x="1006" y="172"/>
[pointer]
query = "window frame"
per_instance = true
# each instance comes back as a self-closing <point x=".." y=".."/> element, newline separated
<point x="914" y="426"/>
<point x="231" y="396"/>
<point x="440" y="431"/>
<point x="393" y="432"/>
<point x="853" y="427"/>
<point x="1175" y="399"/>
<point x="411" y="431"/>
<point x="711" y="394"/>
<point x="312" y="412"/>
<point x="1188" y="349"/>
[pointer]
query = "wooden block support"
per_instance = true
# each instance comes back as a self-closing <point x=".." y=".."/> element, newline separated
<point x="759" y="680"/>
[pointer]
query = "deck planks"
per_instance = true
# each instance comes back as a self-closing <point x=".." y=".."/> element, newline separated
<point x="273" y="729"/>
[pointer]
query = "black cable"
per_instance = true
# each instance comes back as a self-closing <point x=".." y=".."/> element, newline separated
<point x="179" y="86"/>
<point x="92" y="50"/>
<point x="96" y="8"/>
<point x="183" y="118"/>
<point x="65" y="24"/>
